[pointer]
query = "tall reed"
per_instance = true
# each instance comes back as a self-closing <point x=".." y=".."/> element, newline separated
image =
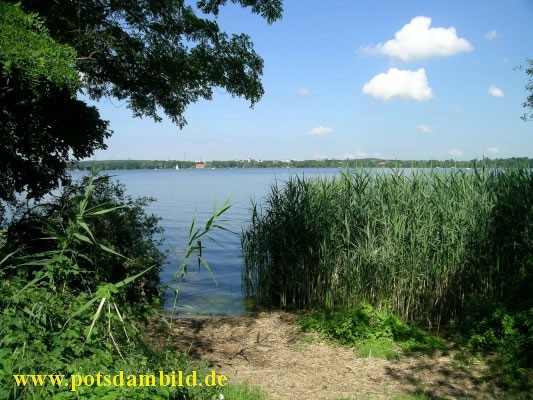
<point x="420" y="244"/>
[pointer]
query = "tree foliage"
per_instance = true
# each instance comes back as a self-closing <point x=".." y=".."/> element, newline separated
<point x="27" y="47"/>
<point x="42" y="123"/>
<point x="40" y="128"/>
<point x="528" y="104"/>
<point x="157" y="54"/>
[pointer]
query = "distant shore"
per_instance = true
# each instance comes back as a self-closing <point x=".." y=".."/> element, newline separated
<point x="323" y="163"/>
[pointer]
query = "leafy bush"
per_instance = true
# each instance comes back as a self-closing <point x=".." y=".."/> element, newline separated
<point x="373" y="332"/>
<point x="108" y="237"/>
<point x="508" y="336"/>
<point x="41" y="336"/>
<point x="52" y="281"/>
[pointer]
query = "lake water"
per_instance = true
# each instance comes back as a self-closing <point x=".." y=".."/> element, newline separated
<point x="184" y="194"/>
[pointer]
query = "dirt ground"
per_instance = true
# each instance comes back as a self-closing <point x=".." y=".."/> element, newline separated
<point x="270" y="351"/>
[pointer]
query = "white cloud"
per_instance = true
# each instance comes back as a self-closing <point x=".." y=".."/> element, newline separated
<point x="491" y="35"/>
<point x="304" y="91"/>
<point x="360" y="154"/>
<point x="455" y="153"/>
<point x="493" y="150"/>
<point x="417" y="40"/>
<point x="376" y="154"/>
<point x="348" y="157"/>
<point x="399" y="83"/>
<point x="320" y="131"/>
<point x="496" y="92"/>
<point x="425" y="128"/>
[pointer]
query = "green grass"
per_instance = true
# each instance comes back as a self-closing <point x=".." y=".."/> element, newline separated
<point x="242" y="392"/>
<point x="377" y="348"/>
<point x="406" y="396"/>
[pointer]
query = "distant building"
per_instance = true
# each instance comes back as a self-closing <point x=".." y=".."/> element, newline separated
<point x="200" y="165"/>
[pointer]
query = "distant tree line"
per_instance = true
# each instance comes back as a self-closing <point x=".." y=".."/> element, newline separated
<point x="513" y="162"/>
<point x="130" y="164"/>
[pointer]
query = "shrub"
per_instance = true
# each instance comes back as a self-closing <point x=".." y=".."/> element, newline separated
<point x="108" y="235"/>
<point x="373" y="332"/>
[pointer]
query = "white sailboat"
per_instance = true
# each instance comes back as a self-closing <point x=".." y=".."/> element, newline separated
<point x="177" y="167"/>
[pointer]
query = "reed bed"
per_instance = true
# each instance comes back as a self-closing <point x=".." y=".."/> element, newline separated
<point x="420" y="244"/>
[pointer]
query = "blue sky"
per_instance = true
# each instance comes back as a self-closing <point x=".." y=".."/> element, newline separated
<point x="356" y="79"/>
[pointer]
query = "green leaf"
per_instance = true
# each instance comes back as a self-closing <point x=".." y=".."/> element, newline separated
<point x="132" y="278"/>
<point x="107" y="210"/>
<point x="87" y="229"/>
<point x="7" y="257"/>
<point x="109" y="250"/>
<point x="82" y="237"/>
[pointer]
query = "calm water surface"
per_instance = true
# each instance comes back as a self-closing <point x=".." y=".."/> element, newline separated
<point x="184" y="194"/>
